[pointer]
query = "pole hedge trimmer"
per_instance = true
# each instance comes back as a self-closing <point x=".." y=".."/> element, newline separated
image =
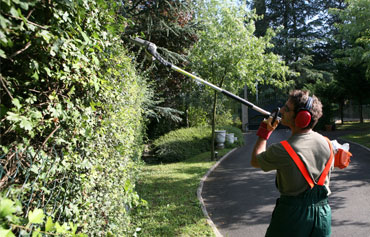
<point x="151" y="48"/>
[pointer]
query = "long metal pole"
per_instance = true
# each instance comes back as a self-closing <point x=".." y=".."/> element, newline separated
<point x="225" y="92"/>
<point x="152" y="49"/>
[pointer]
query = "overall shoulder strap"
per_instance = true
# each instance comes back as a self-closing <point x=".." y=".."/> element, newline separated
<point x="327" y="166"/>
<point x="298" y="162"/>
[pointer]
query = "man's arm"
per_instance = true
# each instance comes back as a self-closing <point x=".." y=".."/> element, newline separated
<point x="259" y="147"/>
<point x="264" y="131"/>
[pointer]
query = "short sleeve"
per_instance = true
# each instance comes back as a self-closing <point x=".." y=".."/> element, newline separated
<point x="275" y="157"/>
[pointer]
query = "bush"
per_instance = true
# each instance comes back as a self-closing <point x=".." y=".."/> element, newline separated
<point x="197" y="117"/>
<point x="185" y="143"/>
<point x="225" y="118"/>
<point x="182" y="144"/>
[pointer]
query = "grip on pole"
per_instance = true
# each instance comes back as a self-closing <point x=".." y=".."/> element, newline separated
<point x="275" y="115"/>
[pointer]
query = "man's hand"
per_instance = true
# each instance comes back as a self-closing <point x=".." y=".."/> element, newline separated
<point x="271" y="126"/>
<point x="267" y="127"/>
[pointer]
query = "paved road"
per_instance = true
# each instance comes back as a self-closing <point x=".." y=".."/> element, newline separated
<point x="240" y="198"/>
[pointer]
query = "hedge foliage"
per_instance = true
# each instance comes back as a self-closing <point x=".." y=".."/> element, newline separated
<point x="184" y="143"/>
<point x="71" y="111"/>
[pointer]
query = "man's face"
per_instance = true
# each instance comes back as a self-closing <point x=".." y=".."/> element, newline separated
<point x="287" y="114"/>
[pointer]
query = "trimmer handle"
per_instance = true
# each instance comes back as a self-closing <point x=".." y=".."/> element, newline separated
<point x="275" y="114"/>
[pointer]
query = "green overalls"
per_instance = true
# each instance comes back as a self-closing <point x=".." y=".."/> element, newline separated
<point x="307" y="214"/>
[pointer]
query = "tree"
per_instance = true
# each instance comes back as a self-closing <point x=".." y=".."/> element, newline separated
<point x="170" y="25"/>
<point x="304" y="35"/>
<point x="353" y="58"/>
<point x="229" y="55"/>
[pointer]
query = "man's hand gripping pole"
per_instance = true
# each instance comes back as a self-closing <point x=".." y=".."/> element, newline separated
<point x="268" y="125"/>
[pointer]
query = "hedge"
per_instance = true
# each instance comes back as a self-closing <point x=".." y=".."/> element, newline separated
<point x="71" y="113"/>
<point x="184" y="143"/>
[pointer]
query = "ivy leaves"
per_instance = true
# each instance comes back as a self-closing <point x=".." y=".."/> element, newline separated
<point x="34" y="223"/>
<point x="73" y="109"/>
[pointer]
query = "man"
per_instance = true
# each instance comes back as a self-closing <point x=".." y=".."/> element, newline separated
<point x="303" y="164"/>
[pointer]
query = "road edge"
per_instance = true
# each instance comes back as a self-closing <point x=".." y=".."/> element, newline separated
<point x="366" y="148"/>
<point x="200" y="189"/>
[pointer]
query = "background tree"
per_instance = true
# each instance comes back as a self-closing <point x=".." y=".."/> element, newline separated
<point x="170" y="25"/>
<point x="353" y="56"/>
<point x="305" y="39"/>
<point x="229" y="55"/>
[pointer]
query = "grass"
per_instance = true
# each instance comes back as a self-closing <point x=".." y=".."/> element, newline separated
<point x="170" y="190"/>
<point x="360" y="133"/>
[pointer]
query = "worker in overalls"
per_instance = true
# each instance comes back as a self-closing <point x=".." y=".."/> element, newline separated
<point x="303" y="164"/>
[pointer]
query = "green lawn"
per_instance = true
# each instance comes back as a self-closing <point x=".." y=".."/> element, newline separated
<point x="360" y="133"/>
<point x="173" y="206"/>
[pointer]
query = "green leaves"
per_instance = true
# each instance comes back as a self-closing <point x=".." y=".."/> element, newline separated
<point x="8" y="215"/>
<point x="8" y="210"/>
<point x="6" y="233"/>
<point x="228" y="52"/>
<point x="36" y="217"/>
<point x="355" y="31"/>
<point x="16" y="103"/>
<point x="7" y="207"/>
<point x="46" y="35"/>
<point x="73" y="106"/>
<point x="49" y="225"/>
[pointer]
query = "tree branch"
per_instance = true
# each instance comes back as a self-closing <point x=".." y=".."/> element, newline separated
<point x="29" y="22"/>
<point x="20" y="51"/>
<point x="6" y="88"/>
<point x="29" y="14"/>
<point x="43" y="144"/>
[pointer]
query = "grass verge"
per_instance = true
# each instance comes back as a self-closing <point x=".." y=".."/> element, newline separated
<point x="171" y="192"/>
<point x="360" y="132"/>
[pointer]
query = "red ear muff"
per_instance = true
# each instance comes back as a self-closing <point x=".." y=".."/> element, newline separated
<point x="302" y="119"/>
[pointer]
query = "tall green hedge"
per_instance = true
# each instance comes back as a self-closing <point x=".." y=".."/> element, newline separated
<point x="71" y="112"/>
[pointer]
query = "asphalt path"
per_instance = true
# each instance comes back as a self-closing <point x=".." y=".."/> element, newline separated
<point x="240" y="199"/>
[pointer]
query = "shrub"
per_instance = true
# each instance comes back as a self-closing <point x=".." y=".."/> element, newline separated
<point x="185" y="143"/>
<point x="225" y="118"/>
<point x="197" y="117"/>
<point x="237" y="123"/>
<point x="182" y="144"/>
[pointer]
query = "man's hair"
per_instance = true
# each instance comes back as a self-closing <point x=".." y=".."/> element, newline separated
<point x="299" y="99"/>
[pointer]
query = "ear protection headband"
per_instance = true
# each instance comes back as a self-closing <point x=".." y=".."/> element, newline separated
<point x="303" y="117"/>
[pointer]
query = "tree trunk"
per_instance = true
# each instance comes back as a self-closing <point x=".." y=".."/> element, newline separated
<point x="341" y="108"/>
<point x="261" y="24"/>
<point x="360" y="110"/>
<point x="294" y="33"/>
<point x="213" y="125"/>
<point x="285" y="24"/>
<point x="214" y="117"/>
